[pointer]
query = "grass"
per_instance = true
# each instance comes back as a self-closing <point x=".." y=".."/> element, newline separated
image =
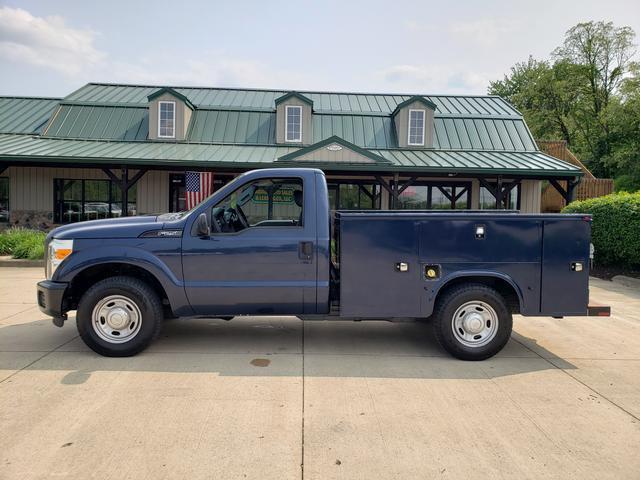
<point x="22" y="243"/>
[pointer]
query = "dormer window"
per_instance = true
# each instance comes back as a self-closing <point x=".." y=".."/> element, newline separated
<point x="416" y="127"/>
<point x="166" y="119"/>
<point x="293" y="129"/>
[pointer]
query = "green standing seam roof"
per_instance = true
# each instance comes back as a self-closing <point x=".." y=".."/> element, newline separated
<point x="103" y="123"/>
<point x="24" y="148"/>
<point x="25" y="114"/>
<point x="247" y="99"/>
<point x="258" y="128"/>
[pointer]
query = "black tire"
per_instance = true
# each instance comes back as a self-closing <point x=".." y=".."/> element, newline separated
<point x="134" y="290"/>
<point x="443" y="321"/>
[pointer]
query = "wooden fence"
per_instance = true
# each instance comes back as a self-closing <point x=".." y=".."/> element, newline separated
<point x="589" y="186"/>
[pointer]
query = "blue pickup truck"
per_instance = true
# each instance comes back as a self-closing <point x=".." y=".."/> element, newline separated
<point x="268" y="244"/>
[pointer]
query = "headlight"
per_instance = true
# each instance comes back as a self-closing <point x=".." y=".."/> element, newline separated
<point x="58" y="251"/>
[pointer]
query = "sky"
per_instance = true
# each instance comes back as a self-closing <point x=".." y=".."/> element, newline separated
<point x="51" y="48"/>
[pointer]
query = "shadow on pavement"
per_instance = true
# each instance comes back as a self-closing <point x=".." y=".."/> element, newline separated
<point x="273" y="347"/>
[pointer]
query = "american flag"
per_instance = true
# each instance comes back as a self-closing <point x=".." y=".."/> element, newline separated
<point x="198" y="187"/>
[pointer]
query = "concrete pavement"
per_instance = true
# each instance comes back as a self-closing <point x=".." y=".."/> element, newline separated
<point x="275" y="398"/>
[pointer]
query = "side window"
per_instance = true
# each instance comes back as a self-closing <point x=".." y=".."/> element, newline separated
<point x="273" y="202"/>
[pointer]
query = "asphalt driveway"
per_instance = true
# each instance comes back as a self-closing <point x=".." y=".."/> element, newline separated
<point x="275" y="398"/>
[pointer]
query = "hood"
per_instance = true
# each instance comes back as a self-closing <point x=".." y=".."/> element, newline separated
<point x="125" y="227"/>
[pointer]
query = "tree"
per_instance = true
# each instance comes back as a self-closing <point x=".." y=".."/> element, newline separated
<point x="544" y="93"/>
<point x="586" y="94"/>
<point x="624" y="119"/>
<point x="602" y="55"/>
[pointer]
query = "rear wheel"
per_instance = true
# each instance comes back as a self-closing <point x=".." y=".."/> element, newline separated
<point x="472" y="322"/>
<point x="119" y="316"/>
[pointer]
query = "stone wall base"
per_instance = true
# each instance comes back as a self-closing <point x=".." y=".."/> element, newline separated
<point x="31" y="219"/>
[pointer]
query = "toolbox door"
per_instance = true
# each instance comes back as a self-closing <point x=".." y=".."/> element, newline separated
<point x="379" y="270"/>
<point x="565" y="267"/>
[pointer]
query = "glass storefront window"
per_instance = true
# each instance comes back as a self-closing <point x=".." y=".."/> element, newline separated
<point x="488" y="201"/>
<point x="177" y="194"/>
<point x="78" y="200"/>
<point x="353" y="196"/>
<point x="4" y="199"/>
<point x="435" y="196"/>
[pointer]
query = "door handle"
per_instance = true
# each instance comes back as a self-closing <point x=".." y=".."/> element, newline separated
<point x="305" y="250"/>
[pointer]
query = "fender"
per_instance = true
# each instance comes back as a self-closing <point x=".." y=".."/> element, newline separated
<point x="95" y="255"/>
<point x="471" y="273"/>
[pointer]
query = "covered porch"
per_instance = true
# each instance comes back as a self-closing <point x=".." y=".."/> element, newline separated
<point x="44" y="177"/>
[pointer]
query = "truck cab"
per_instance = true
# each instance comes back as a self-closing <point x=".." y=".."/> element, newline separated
<point x="267" y="244"/>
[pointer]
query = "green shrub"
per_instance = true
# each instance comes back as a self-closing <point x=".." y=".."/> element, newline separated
<point x="22" y="243"/>
<point x="627" y="183"/>
<point x="615" y="228"/>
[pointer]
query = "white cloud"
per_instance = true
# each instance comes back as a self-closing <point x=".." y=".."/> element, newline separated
<point x="46" y="42"/>
<point x="485" y="32"/>
<point x="217" y="68"/>
<point x="435" y="79"/>
<point x="49" y="43"/>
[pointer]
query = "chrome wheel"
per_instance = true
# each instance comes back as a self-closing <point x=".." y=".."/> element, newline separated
<point x="116" y="319"/>
<point x="475" y="323"/>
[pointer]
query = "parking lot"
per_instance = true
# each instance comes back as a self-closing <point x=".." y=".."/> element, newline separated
<point x="275" y="398"/>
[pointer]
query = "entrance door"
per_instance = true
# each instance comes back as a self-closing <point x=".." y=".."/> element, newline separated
<point x="260" y="257"/>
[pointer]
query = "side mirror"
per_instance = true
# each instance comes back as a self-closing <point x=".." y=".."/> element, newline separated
<point x="202" y="226"/>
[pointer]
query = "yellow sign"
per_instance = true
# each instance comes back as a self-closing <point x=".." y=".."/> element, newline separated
<point x="281" y="196"/>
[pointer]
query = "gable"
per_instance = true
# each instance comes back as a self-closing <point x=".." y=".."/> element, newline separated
<point x="334" y="150"/>
<point x="415" y="102"/>
<point x="289" y="97"/>
<point x="167" y="93"/>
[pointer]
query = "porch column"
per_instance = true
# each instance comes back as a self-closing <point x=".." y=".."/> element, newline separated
<point x="125" y="184"/>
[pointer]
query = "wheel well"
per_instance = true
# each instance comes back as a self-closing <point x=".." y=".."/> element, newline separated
<point x="88" y="277"/>
<point x="503" y="287"/>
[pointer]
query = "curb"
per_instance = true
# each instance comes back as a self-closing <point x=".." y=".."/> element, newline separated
<point x="627" y="281"/>
<point x="19" y="262"/>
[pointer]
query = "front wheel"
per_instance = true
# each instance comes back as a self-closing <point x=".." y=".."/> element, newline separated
<point x="472" y="322"/>
<point x="119" y="316"/>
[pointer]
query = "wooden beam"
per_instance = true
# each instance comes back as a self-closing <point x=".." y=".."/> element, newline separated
<point x="462" y="192"/>
<point x="384" y="184"/>
<point x="366" y="192"/>
<point x="407" y="184"/>
<point x="567" y="194"/>
<point x="124" y="190"/>
<point x="445" y="193"/>
<point x="135" y="178"/>
<point x="489" y="187"/>
<point x="395" y="195"/>
<point x="112" y="176"/>
<point x="571" y="187"/>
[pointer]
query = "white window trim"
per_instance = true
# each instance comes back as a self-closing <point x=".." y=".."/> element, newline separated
<point x="286" y="123"/>
<point x="174" y="119"/>
<point x="424" y="124"/>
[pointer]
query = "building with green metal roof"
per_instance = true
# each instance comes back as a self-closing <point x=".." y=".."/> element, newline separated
<point x="110" y="150"/>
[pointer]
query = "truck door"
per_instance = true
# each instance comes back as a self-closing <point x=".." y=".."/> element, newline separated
<point x="260" y="256"/>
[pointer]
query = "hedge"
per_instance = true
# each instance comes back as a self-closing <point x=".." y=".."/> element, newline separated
<point x="22" y="243"/>
<point x="615" y="228"/>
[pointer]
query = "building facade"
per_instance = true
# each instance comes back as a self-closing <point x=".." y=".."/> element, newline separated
<point x="112" y="150"/>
